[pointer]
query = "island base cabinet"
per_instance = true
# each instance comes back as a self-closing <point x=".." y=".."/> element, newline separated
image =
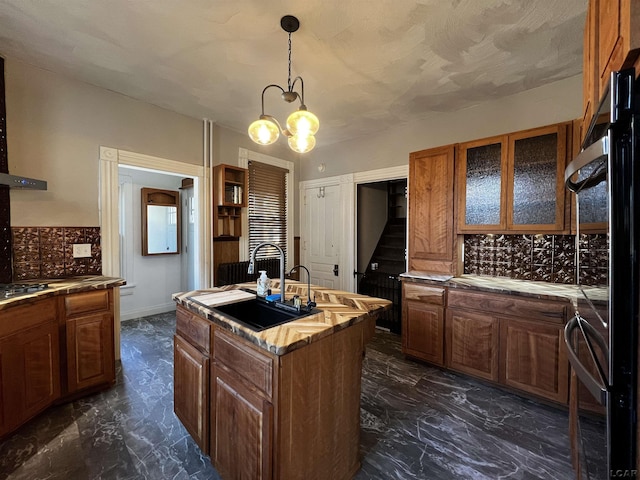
<point x="472" y="343"/>
<point x="29" y="374"/>
<point x="534" y="358"/>
<point x="242" y="433"/>
<point x="191" y="384"/>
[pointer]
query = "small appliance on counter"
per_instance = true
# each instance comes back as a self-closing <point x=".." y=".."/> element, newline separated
<point x="606" y="180"/>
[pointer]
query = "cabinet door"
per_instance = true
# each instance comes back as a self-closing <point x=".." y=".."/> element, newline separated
<point x="481" y="185"/>
<point x="423" y="331"/>
<point x="30" y="371"/>
<point x="241" y="436"/>
<point x="533" y="358"/>
<point x="535" y="176"/>
<point x="191" y="390"/>
<point x="590" y="77"/>
<point x="472" y="343"/>
<point x="431" y="228"/>
<point x="90" y="351"/>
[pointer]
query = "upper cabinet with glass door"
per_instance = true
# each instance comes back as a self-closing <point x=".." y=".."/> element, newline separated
<point x="513" y="183"/>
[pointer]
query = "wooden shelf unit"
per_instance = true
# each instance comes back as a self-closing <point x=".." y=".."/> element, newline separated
<point x="230" y="191"/>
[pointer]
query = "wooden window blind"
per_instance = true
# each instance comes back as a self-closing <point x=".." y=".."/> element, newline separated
<point x="267" y="209"/>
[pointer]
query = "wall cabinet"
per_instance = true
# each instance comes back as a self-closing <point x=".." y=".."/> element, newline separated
<point x="611" y="43"/>
<point x="89" y="339"/>
<point x="513" y="183"/>
<point x="230" y="193"/>
<point x="431" y="216"/>
<point x="423" y="322"/>
<point x="29" y="362"/>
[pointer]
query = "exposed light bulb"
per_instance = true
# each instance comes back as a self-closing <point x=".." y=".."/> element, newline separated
<point x="302" y="144"/>
<point x="264" y="131"/>
<point x="302" y="122"/>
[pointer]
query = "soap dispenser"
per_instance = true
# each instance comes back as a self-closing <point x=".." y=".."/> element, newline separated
<point x="264" y="284"/>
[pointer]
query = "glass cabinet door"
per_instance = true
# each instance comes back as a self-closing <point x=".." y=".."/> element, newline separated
<point x="481" y="176"/>
<point x="536" y="188"/>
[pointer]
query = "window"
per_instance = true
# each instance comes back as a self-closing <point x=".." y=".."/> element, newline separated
<point x="267" y="209"/>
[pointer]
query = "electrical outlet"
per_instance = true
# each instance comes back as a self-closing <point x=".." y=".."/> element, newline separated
<point x="81" y="250"/>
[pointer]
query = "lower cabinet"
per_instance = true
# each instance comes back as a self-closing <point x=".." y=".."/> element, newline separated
<point x="29" y="363"/>
<point x="534" y="358"/>
<point x="472" y="341"/>
<point x="90" y="341"/>
<point x="242" y="423"/>
<point x="191" y="384"/>
<point x="53" y="349"/>
<point x="514" y="341"/>
<point x="423" y="322"/>
<point x="291" y="416"/>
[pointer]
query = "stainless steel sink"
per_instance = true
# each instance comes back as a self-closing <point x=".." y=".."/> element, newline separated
<point x="258" y="314"/>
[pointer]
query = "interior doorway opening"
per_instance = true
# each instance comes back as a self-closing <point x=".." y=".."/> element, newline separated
<point x="381" y="245"/>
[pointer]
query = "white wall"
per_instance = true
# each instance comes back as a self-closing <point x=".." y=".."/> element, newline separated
<point x="372" y="218"/>
<point x="55" y="126"/>
<point x="553" y="103"/>
<point x="150" y="279"/>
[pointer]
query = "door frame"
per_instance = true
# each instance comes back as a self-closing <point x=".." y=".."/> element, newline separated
<point x="348" y="209"/>
<point x="109" y="208"/>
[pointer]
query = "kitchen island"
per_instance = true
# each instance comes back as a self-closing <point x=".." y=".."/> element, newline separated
<point x="282" y="403"/>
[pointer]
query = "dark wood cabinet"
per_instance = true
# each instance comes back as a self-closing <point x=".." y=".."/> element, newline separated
<point x="513" y="183"/>
<point x="533" y="358"/>
<point x="29" y="362"/>
<point x="431" y="216"/>
<point x="423" y="322"/>
<point x="89" y="340"/>
<point x="243" y="423"/>
<point x="230" y="193"/>
<point x="272" y="416"/>
<point x="191" y="374"/>
<point x="191" y="384"/>
<point x="611" y="43"/>
<point x="472" y="341"/>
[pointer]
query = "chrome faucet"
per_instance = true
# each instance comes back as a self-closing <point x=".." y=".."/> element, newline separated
<point x="252" y="259"/>
<point x="310" y="303"/>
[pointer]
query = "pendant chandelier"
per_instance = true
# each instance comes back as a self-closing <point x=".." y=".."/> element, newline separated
<point x="302" y="125"/>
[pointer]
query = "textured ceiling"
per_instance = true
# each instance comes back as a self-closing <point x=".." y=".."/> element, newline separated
<point x="367" y="65"/>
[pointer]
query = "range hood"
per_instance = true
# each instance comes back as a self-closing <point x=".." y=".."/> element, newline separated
<point x="16" y="181"/>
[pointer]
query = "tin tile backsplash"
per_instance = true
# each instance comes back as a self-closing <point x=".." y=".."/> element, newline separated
<point x="547" y="258"/>
<point x="47" y="252"/>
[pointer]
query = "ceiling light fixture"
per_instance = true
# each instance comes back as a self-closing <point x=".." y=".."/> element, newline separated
<point x="302" y="125"/>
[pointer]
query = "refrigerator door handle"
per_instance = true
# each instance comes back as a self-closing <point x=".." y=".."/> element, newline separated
<point x="598" y="149"/>
<point x="597" y="388"/>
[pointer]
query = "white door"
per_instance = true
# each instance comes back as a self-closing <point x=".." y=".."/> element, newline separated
<point x="322" y="235"/>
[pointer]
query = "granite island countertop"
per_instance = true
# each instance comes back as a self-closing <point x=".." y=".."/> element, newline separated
<point x="62" y="286"/>
<point x="339" y="310"/>
<point x="509" y="286"/>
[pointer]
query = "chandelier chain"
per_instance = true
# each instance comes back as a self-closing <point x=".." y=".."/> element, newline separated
<point x="289" y="77"/>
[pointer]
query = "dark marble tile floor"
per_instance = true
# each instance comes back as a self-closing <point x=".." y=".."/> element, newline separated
<point x="418" y="423"/>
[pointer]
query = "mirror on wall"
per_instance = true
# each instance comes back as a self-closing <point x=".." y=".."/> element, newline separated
<point x="160" y="221"/>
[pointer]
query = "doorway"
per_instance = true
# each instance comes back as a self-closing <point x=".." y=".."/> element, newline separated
<point x="381" y="244"/>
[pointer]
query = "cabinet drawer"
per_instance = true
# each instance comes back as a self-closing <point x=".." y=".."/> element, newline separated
<point x="423" y="293"/>
<point x="193" y="328"/>
<point x="235" y="354"/>
<point x="553" y="311"/>
<point x="95" y="301"/>
<point x="22" y="317"/>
